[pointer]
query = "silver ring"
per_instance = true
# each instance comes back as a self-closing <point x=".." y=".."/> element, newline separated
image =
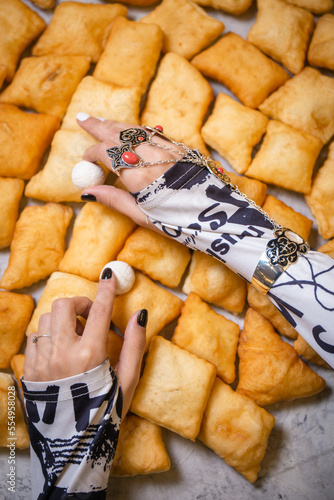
<point x="280" y="253"/>
<point x="36" y="337"/>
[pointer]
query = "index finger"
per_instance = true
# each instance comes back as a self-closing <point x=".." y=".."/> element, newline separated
<point x="102" y="129"/>
<point x="98" y="321"/>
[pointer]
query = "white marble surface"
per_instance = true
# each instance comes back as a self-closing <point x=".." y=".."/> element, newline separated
<point x="299" y="462"/>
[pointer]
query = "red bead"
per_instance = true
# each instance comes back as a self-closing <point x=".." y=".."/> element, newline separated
<point x="220" y="169"/>
<point x="130" y="158"/>
<point x="140" y="138"/>
<point x="159" y="127"/>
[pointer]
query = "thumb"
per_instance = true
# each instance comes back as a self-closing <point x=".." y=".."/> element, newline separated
<point x="131" y="356"/>
<point x="117" y="199"/>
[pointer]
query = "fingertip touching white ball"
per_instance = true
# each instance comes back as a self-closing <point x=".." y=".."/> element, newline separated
<point x="86" y="174"/>
<point x="125" y="276"/>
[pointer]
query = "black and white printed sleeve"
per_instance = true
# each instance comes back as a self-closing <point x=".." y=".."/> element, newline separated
<point x="73" y="426"/>
<point x="193" y="206"/>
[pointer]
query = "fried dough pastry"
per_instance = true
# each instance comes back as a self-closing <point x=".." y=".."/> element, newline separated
<point x="21" y="435"/>
<point x="315" y="6"/>
<point x="141" y="52"/>
<point x="3" y="72"/>
<point x="140" y="3"/>
<point x="140" y="449"/>
<point x="179" y="97"/>
<point x="254" y="189"/>
<point x="215" y="283"/>
<point x="307" y="352"/>
<point x="61" y="285"/>
<point x="47" y="83"/>
<point x="11" y="191"/>
<point x="78" y="29"/>
<point x="161" y="258"/>
<point x="98" y="98"/>
<point x="98" y="235"/>
<point x="321" y="49"/>
<point x="19" y="26"/>
<point x="174" y="388"/>
<point x="38" y="245"/>
<point x="270" y="370"/>
<point x="305" y="102"/>
<point x="17" y="365"/>
<point x="242" y="68"/>
<point x="283" y="32"/>
<point x="211" y="336"/>
<point x="288" y="217"/>
<point x="263" y="305"/>
<point x="15" y="313"/>
<point x="187" y="28"/>
<point x="114" y="347"/>
<point x="236" y="429"/>
<point x="328" y="248"/>
<point x="163" y="306"/>
<point x="286" y="158"/>
<point x="234" y="7"/>
<point x="321" y="198"/>
<point x="54" y="181"/>
<point x="45" y="4"/>
<point x="24" y="138"/>
<point x="233" y="130"/>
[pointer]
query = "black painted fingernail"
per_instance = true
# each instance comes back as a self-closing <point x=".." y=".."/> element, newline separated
<point x="88" y="197"/>
<point x="107" y="274"/>
<point x="142" y="318"/>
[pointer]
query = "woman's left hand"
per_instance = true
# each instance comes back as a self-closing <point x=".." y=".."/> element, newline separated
<point x="70" y="349"/>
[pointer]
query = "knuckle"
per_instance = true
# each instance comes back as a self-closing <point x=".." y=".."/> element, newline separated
<point x="44" y="319"/>
<point x="85" y="354"/>
<point x="103" y="146"/>
<point x="86" y="304"/>
<point x="111" y="202"/>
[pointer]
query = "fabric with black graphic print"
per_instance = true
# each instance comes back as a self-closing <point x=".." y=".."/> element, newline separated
<point x="190" y="204"/>
<point x="73" y="426"/>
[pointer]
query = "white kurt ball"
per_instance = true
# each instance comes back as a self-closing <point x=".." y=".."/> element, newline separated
<point x="125" y="276"/>
<point x="86" y="174"/>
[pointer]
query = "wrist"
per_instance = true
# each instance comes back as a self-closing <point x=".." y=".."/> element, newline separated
<point x="33" y="383"/>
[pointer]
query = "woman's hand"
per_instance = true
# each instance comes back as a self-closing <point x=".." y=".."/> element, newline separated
<point x="107" y="132"/>
<point x="72" y="349"/>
